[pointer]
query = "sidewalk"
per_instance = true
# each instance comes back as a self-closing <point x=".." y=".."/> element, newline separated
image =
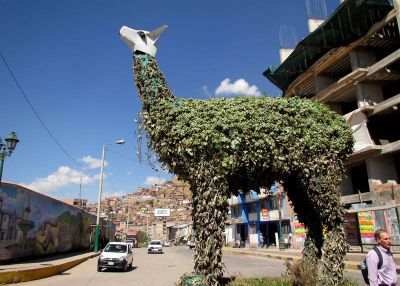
<point x="41" y="268"/>
<point x="352" y="259"/>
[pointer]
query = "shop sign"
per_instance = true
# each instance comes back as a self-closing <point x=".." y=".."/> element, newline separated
<point x="264" y="215"/>
<point x="274" y="215"/>
<point x="366" y="223"/>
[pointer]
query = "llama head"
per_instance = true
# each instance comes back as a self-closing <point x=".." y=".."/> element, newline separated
<point x="139" y="40"/>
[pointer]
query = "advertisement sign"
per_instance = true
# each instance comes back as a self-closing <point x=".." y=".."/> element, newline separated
<point x="299" y="229"/>
<point x="264" y="215"/>
<point x="162" y="212"/>
<point x="366" y="223"/>
<point x="274" y="215"/>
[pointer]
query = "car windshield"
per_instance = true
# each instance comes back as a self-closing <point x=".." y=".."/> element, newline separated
<point x="155" y="242"/>
<point x="115" y="248"/>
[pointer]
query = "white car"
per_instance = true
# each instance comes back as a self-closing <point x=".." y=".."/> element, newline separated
<point x="155" y="246"/>
<point x="116" y="255"/>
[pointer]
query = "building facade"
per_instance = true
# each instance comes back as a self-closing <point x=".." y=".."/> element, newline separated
<point x="351" y="63"/>
<point x="257" y="220"/>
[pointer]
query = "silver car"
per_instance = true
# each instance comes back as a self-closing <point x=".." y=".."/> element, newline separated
<point x="155" y="246"/>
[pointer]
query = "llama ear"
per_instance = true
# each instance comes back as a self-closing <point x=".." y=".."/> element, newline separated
<point x="156" y="33"/>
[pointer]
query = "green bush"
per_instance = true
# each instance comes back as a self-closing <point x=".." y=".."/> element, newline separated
<point x="260" y="281"/>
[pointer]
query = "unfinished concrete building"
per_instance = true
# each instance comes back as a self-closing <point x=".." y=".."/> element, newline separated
<point x="351" y="62"/>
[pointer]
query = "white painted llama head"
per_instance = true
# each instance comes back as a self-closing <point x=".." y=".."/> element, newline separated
<point x="139" y="40"/>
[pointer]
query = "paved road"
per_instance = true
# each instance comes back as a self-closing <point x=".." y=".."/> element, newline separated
<point x="162" y="270"/>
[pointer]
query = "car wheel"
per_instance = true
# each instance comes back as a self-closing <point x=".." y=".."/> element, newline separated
<point x="125" y="267"/>
<point x="98" y="268"/>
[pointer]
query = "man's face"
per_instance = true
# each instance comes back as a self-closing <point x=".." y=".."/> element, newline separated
<point x="385" y="241"/>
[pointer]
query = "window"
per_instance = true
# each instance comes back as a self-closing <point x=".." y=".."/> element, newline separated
<point x="274" y="204"/>
<point x="235" y="211"/>
<point x="285" y="227"/>
<point x="263" y="203"/>
<point x="252" y="207"/>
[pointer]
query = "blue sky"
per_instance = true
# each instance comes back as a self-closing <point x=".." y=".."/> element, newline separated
<point x="77" y="74"/>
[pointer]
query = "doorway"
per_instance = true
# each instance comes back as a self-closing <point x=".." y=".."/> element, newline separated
<point x="272" y="228"/>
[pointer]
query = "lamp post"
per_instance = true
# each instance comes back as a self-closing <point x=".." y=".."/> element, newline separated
<point x="6" y="150"/>
<point x="96" y="241"/>
<point x="281" y="240"/>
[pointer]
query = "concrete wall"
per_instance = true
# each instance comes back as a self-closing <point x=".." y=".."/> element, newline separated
<point x="381" y="170"/>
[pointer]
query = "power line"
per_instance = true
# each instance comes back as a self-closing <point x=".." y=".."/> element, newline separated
<point x="124" y="156"/>
<point x="36" y="114"/>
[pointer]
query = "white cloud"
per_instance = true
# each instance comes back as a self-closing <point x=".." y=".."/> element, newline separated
<point x="151" y="181"/>
<point x="92" y="163"/>
<point x="239" y="87"/>
<point x="116" y="194"/>
<point x="63" y="177"/>
<point x="206" y="91"/>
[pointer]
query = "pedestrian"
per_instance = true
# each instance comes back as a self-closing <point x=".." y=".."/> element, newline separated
<point x="289" y="240"/>
<point x="386" y="274"/>
<point x="262" y="240"/>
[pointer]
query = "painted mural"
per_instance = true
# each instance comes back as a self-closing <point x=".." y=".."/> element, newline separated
<point x="32" y="224"/>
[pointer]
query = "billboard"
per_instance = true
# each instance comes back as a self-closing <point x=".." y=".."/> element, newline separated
<point x="162" y="212"/>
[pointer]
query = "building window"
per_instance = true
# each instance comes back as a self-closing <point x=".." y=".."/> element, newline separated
<point x="285" y="227"/>
<point x="263" y="203"/>
<point x="235" y="211"/>
<point x="252" y="207"/>
<point x="274" y="204"/>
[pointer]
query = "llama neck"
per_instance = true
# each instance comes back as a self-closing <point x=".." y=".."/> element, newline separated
<point x="150" y="81"/>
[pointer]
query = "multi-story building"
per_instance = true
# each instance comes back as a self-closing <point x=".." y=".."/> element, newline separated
<point x="258" y="220"/>
<point x="351" y="63"/>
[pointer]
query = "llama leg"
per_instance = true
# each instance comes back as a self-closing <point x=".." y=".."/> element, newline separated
<point x="331" y="213"/>
<point x="209" y="213"/>
<point x="313" y="244"/>
<point x="335" y="246"/>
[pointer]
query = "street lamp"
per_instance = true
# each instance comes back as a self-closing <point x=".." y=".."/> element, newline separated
<point x="96" y="241"/>
<point x="280" y="197"/>
<point x="6" y="150"/>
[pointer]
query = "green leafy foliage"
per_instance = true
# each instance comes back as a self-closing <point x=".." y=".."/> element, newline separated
<point x="220" y="146"/>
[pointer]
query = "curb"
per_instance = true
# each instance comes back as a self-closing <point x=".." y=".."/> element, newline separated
<point x="347" y="265"/>
<point x="23" y="275"/>
<point x="271" y="256"/>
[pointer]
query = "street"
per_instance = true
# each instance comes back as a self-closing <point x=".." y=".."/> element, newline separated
<point x="164" y="269"/>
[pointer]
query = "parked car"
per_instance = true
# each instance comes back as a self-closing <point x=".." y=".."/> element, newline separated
<point x="191" y="244"/>
<point x="116" y="255"/>
<point x="155" y="246"/>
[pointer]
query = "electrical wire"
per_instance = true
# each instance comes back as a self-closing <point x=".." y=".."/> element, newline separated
<point x="36" y="114"/>
<point x="123" y="156"/>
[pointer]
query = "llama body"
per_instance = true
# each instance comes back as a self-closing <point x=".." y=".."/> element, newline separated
<point x="222" y="146"/>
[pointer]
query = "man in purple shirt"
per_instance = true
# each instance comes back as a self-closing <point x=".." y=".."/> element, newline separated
<point x="386" y="275"/>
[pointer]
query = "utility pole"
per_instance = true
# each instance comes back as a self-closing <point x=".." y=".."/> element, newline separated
<point x="397" y="7"/>
<point x="127" y="221"/>
<point x="80" y="194"/>
<point x="147" y="227"/>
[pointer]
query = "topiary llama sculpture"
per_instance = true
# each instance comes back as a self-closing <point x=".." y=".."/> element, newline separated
<point x="220" y="146"/>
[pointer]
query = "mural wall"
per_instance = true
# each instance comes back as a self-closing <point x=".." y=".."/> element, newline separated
<point x="32" y="224"/>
